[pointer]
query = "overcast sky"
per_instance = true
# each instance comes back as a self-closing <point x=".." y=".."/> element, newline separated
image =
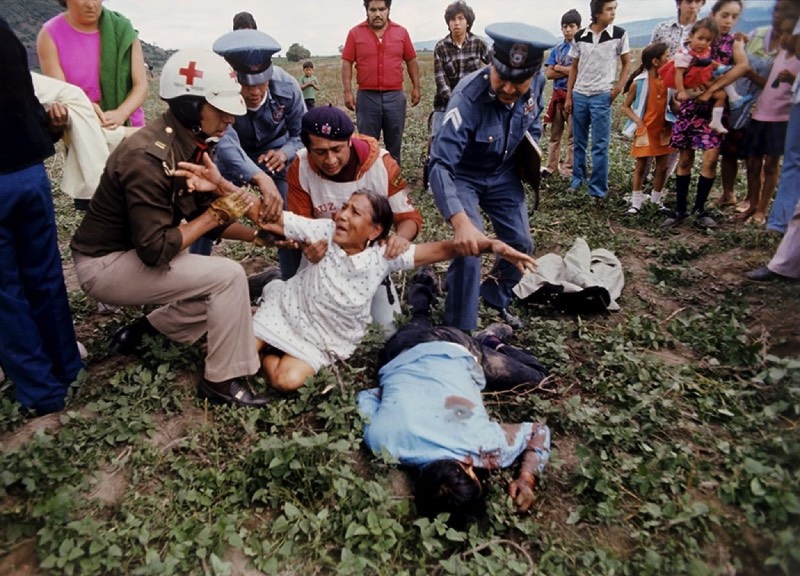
<point x="321" y="25"/>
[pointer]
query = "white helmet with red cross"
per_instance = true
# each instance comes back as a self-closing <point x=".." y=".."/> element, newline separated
<point x="201" y="74"/>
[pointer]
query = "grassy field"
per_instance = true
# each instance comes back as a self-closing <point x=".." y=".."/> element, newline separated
<point x="675" y="430"/>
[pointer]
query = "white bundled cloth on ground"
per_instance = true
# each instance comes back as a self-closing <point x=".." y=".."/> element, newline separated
<point x="88" y="144"/>
<point x="581" y="268"/>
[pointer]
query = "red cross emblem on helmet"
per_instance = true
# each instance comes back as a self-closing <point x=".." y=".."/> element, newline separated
<point x="191" y="72"/>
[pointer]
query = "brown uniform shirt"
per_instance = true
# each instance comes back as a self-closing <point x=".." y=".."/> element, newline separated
<point x="138" y="205"/>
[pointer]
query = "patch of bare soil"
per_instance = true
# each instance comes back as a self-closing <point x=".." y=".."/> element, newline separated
<point x="171" y="430"/>
<point x="70" y="278"/>
<point x="108" y="484"/>
<point x="557" y="504"/>
<point x="772" y="306"/>
<point x="49" y="423"/>
<point x="240" y="565"/>
<point x="22" y="560"/>
<point x="400" y="485"/>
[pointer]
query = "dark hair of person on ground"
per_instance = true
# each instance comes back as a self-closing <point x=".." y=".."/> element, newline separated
<point x="444" y="486"/>
<point x="308" y="64"/>
<point x="387" y="2"/>
<point x="652" y="52"/>
<point x="457" y="8"/>
<point x="596" y="6"/>
<point x="571" y="16"/>
<point x="381" y="212"/>
<point x="244" y="21"/>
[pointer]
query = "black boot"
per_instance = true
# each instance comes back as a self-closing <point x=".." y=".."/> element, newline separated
<point x="128" y="339"/>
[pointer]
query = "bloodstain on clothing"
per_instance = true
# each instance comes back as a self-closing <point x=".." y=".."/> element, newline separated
<point x="461" y="407"/>
<point x="511" y="431"/>
<point x="489" y="460"/>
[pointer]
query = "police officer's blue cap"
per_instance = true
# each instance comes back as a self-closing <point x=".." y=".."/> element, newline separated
<point x="249" y="52"/>
<point x="518" y="49"/>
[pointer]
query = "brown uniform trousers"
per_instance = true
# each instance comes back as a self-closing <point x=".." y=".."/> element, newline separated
<point x="199" y="294"/>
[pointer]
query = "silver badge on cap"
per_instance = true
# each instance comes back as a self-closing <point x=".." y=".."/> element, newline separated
<point x="518" y="54"/>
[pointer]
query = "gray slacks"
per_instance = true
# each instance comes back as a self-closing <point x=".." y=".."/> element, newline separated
<point x="382" y="111"/>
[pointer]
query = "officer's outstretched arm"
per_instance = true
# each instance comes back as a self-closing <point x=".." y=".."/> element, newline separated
<point x="466" y="237"/>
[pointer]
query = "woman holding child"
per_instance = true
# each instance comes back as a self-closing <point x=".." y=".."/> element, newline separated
<point x="692" y="130"/>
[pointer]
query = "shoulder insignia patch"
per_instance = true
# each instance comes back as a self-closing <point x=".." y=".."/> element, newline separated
<point x="454" y="117"/>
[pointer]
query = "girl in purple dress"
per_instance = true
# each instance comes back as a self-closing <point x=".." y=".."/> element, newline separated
<point x="692" y="130"/>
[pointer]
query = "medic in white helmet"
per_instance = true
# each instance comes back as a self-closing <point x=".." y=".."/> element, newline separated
<point x="130" y="248"/>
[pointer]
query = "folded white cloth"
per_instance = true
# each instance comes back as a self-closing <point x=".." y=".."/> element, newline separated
<point x="579" y="269"/>
<point x="88" y="144"/>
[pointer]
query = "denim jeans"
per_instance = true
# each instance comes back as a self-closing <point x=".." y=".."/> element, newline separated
<point x="594" y="111"/>
<point x="789" y="185"/>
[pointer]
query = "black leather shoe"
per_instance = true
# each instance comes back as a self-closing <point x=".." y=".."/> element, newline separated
<point x="256" y="282"/>
<point x="235" y="391"/>
<point x="128" y="339"/>
<point x="511" y="319"/>
<point x="674" y="220"/>
<point x="763" y="274"/>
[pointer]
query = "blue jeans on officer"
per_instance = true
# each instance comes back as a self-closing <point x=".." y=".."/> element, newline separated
<point x="501" y="196"/>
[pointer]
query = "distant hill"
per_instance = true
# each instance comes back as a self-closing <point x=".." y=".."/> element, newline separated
<point x="640" y="31"/>
<point x="27" y="16"/>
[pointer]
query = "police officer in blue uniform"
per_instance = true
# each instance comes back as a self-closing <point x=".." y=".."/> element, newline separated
<point x="473" y="166"/>
<point x="267" y="138"/>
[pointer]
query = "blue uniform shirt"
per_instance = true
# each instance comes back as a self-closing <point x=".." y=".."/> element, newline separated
<point x="274" y="126"/>
<point x="479" y="135"/>
<point x="429" y="407"/>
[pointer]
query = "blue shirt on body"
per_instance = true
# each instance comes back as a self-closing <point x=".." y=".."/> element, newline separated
<point x="429" y="407"/>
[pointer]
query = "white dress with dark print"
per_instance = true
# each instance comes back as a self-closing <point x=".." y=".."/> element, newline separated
<point x="321" y="314"/>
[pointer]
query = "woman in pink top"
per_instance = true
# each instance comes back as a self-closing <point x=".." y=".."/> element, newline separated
<point x="79" y="47"/>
